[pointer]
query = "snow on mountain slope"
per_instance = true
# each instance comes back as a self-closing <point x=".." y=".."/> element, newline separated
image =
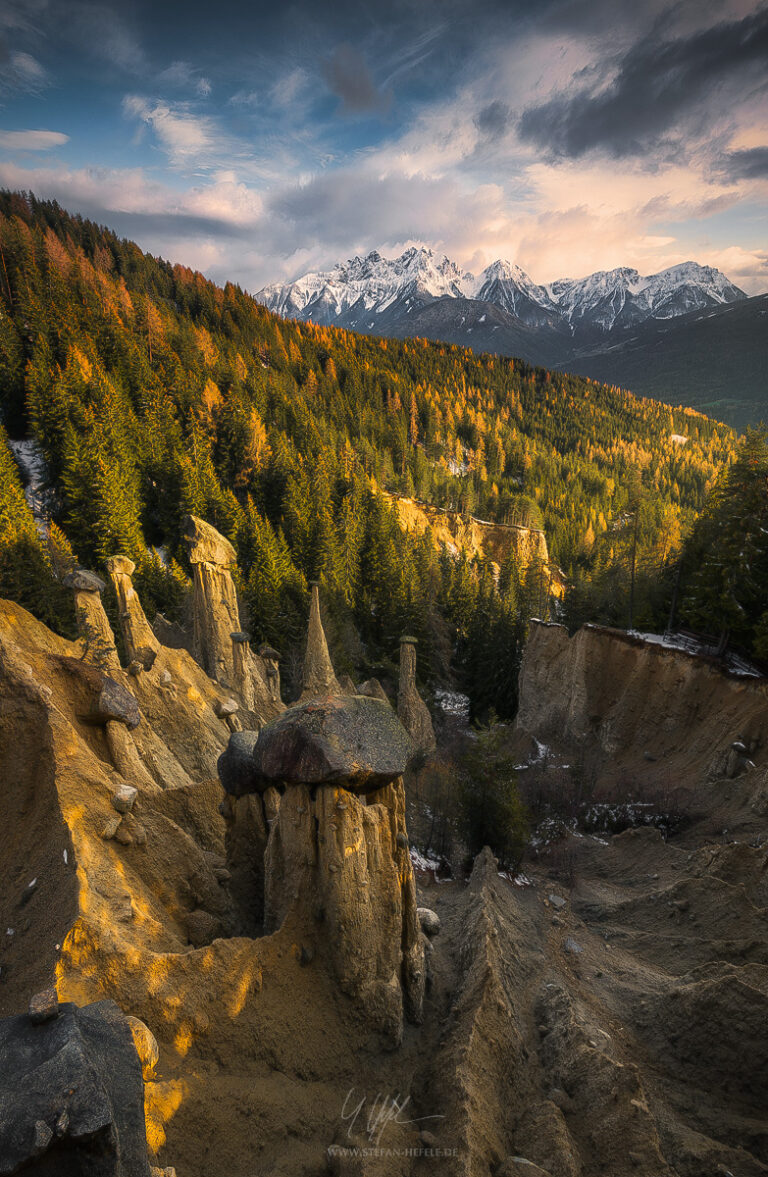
<point x="358" y="292"/>
<point x="367" y="285"/>
<point x="621" y="297"/>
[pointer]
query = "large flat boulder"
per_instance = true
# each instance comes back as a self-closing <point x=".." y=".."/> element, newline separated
<point x="72" y="1095"/>
<point x="358" y="743"/>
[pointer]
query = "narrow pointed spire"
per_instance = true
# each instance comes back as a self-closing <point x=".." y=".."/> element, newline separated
<point x="319" y="677"/>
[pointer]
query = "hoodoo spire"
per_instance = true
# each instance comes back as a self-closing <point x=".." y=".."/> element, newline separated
<point x="319" y="677"/>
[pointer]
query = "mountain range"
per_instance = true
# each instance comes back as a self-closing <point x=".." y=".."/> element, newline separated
<point x="616" y="325"/>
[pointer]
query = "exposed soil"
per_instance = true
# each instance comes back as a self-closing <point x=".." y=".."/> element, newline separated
<point x="620" y="1031"/>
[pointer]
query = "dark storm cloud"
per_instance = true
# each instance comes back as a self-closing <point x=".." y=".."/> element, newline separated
<point x="493" y="119"/>
<point x="750" y="164"/>
<point x="657" y="82"/>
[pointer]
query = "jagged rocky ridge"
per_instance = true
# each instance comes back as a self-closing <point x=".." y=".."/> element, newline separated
<point x="364" y="293"/>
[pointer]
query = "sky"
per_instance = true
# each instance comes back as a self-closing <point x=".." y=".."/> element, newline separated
<point x="258" y="141"/>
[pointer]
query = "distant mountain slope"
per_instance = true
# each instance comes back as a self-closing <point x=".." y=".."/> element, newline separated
<point x="715" y="361"/>
<point x="374" y="293"/>
<point x="686" y="335"/>
<point x="468" y="322"/>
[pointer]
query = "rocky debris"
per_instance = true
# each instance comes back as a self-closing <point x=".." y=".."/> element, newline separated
<point x="557" y="901"/>
<point x="146" y="1046"/>
<point x="355" y="742"/>
<point x="429" y="921"/>
<point x="124" y="797"/>
<point x="318" y="676"/>
<point x="92" y="621"/>
<point x="44" y="1006"/>
<point x="72" y="1095"/>
<point x="225" y="707"/>
<point x="411" y="708"/>
<point x="373" y="689"/>
<point x="141" y="645"/>
<point x="572" y="946"/>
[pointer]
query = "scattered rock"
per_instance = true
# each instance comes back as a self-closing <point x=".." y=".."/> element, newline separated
<point x="571" y="946"/>
<point x="113" y="702"/>
<point x="429" y="920"/>
<point x="557" y="921"/>
<point x="224" y="707"/>
<point x="123" y="798"/>
<point x="428" y="1139"/>
<point x="44" y="1006"/>
<point x="557" y="901"/>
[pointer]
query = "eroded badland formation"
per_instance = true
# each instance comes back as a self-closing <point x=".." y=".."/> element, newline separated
<point x="219" y="889"/>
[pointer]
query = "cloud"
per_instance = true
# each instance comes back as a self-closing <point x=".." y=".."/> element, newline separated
<point x="654" y="84"/>
<point x="32" y="140"/>
<point x="349" y="78"/>
<point x="750" y="164"/>
<point x="187" y="138"/>
<point x="185" y="76"/>
<point x="21" y="72"/>
<point x="493" y="119"/>
<point x="102" y="32"/>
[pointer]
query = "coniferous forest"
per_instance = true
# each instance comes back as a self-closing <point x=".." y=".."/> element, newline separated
<point x="153" y="393"/>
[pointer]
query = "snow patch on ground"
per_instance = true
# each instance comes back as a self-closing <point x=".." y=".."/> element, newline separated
<point x="422" y="862"/>
<point x="692" y="645"/>
<point x="34" y="474"/>
<point x="454" y="704"/>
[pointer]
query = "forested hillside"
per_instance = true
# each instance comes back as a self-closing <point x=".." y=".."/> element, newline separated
<point x="154" y="393"/>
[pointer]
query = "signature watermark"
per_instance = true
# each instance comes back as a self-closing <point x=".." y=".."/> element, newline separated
<point x="371" y="1117"/>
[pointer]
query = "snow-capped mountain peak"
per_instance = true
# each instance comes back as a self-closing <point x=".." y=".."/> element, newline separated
<point x="358" y="292"/>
